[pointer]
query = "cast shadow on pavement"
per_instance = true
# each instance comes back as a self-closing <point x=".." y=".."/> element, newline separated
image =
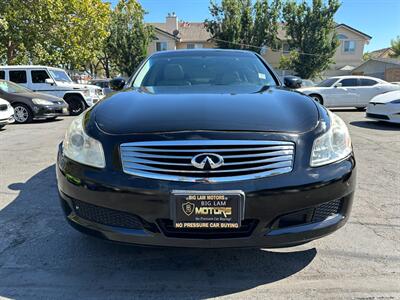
<point x="377" y="125"/>
<point x="42" y="257"/>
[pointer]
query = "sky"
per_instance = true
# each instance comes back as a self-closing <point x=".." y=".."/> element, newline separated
<point x="377" y="18"/>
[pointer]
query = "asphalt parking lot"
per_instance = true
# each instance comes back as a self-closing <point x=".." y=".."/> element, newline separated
<point x="42" y="257"/>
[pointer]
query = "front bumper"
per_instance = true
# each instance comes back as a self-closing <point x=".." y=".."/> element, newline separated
<point x="6" y="118"/>
<point x="387" y="112"/>
<point x="44" y="111"/>
<point x="130" y="209"/>
<point x="91" y="100"/>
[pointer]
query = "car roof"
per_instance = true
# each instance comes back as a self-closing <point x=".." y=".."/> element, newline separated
<point x="29" y="67"/>
<point x="356" y="76"/>
<point x="204" y="50"/>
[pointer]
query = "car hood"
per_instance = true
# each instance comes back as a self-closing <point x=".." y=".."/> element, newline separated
<point x="311" y="89"/>
<point x="138" y="111"/>
<point x="77" y="86"/>
<point x="386" y="97"/>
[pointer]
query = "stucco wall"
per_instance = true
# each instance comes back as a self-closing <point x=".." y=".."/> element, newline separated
<point x="171" y="44"/>
<point x="183" y="45"/>
<point x="340" y="58"/>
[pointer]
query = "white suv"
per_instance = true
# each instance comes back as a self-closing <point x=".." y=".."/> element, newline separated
<point x="54" y="81"/>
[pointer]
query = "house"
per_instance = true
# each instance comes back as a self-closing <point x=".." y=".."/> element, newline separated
<point x="348" y="55"/>
<point x="381" y="53"/>
<point x="384" y="68"/>
<point x="174" y="34"/>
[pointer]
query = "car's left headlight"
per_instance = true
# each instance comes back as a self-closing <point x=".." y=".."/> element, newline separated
<point x="82" y="148"/>
<point x="41" y="102"/>
<point x="333" y="145"/>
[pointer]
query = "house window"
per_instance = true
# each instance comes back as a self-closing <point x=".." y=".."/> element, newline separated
<point x="285" y="47"/>
<point x="161" y="46"/>
<point x="341" y="36"/>
<point x="2" y="75"/>
<point x="18" y="76"/>
<point x="349" y="46"/>
<point x="194" y="46"/>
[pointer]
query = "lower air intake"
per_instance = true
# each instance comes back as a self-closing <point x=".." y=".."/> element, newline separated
<point x="106" y="216"/>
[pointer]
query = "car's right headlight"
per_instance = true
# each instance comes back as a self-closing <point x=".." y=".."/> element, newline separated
<point x="82" y="148"/>
<point x="38" y="101"/>
<point x="333" y="145"/>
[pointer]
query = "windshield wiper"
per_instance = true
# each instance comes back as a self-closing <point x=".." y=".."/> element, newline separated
<point x="262" y="89"/>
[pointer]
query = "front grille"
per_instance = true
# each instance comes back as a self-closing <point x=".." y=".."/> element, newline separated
<point x="3" y="106"/>
<point x="173" y="160"/>
<point x="245" y="230"/>
<point x="326" y="210"/>
<point x="106" y="216"/>
<point x="376" y="116"/>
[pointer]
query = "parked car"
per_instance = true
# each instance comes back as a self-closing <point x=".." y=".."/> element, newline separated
<point x="104" y="84"/>
<point x="307" y="83"/>
<point x="29" y="105"/>
<point x="385" y="107"/>
<point x="56" y="82"/>
<point x="6" y="113"/>
<point x="207" y="149"/>
<point x="348" y="91"/>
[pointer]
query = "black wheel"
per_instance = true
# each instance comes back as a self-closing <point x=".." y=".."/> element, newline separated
<point x="76" y="105"/>
<point x="22" y="113"/>
<point x="360" y="108"/>
<point x="317" y="98"/>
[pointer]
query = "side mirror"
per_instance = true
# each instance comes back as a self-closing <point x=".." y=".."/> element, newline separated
<point x="49" y="81"/>
<point x="292" y="82"/>
<point x="117" y="84"/>
<point x="338" y="84"/>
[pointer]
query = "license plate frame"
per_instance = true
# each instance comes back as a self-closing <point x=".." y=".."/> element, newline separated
<point x="220" y="209"/>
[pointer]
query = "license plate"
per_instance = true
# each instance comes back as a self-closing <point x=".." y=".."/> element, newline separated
<point x="207" y="209"/>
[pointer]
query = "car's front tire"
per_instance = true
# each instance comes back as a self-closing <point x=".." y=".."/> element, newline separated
<point x="22" y="113"/>
<point x="76" y="105"/>
<point x="317" y="98"/>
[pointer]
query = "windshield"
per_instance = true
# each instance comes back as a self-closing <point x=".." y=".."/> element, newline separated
<point x="327" y="82"/>
<point x="10" y="87"/>
<point x="211" y="71"/>
<point x="60" y="75"/>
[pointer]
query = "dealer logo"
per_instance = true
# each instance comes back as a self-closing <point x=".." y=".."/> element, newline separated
<point x="207" y="161"/>
<point x="188" y="208"/>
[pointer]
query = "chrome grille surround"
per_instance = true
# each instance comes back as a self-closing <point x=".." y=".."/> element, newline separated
<point x="243" y="159"/>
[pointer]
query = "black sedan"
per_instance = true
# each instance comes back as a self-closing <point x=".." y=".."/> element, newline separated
<point x="207" y="148"/>
<point x="29" y="105"/>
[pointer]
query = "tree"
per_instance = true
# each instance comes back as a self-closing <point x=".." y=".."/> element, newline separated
<point x="237" y="24"/>
<point x="129" y="36"/>
<point x="65" y="33"/>
<point x="311" y="32"/>
<point x="366" y="56"/>
<point x="266" y="23"/>
<point x="395" y="43"/>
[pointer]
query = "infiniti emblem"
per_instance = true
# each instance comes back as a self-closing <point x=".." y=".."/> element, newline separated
<point x="207" y="161"/>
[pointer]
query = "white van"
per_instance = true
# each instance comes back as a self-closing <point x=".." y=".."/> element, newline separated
<point x="54" y="81"/>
